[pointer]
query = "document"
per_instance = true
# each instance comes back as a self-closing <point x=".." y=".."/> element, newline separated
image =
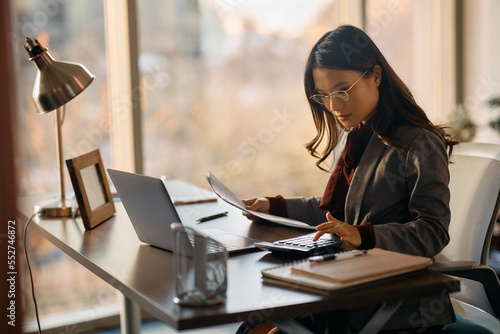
<point x="229" y="197"/>
<point x="189" y="196"/>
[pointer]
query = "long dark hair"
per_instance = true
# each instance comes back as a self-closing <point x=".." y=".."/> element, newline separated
<point x="349" y="48"/>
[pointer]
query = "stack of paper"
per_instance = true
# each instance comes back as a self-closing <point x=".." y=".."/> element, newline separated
<point x="229" y="197"/>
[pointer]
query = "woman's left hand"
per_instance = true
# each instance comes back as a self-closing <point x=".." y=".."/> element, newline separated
<point x="347" y="233"/>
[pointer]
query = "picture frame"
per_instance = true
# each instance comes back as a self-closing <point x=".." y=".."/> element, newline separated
<point x="91" y="187"/>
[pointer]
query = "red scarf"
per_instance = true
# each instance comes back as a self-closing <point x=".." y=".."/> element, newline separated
<point x="336" y="190"/>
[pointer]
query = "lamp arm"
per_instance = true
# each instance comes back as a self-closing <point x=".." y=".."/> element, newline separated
<point x="60" y="159"/>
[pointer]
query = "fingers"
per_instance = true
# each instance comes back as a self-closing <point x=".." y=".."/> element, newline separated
<point x="325" y="228"/>
<point x="258" y="204"/>
<point x="347" y="233"/>
<point x="317" y="235"/>
<point x="330" y="227"/>
<point x="329" y="217"/>
<point x="246" y="214"/>
<point x="250" y="216"/>
<point x="249" y="201"/>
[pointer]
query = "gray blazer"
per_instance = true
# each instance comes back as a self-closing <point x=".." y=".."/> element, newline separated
<point x="404" y="194"/>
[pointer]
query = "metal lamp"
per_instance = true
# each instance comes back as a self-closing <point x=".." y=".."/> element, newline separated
<point x="57" y="83"/>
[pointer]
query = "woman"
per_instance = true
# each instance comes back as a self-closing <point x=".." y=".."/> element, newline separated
<point x="389" y="185"/>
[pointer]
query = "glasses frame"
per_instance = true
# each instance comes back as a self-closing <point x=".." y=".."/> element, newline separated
<point x="318" y="98"/>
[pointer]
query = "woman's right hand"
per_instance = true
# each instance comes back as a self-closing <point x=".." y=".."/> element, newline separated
<point x="261" y="204"/>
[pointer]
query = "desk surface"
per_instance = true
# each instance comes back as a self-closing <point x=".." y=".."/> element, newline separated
<point x="145" y="275"/>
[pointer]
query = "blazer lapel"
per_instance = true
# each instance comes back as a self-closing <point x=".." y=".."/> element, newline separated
<point x="361" y="177"/>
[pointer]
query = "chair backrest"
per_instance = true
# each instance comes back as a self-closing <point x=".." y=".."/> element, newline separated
<point x="474" y="202"/>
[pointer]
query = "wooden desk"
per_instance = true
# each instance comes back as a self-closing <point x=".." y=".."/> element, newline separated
<point x="144" y="274"/>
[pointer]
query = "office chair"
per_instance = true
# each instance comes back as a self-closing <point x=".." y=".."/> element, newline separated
<point x="474" y="204"/>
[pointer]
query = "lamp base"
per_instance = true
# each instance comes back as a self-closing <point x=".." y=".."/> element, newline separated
<point x="53" y="209"/>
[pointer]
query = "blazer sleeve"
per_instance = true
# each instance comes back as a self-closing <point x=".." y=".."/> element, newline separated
<point x="425" y="230"/>
<point x="305" y="209"/>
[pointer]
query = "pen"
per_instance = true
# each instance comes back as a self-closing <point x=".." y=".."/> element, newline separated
<point x="345" y="255"/>
<point x="194" y="201"/>
<point x="218" y="215"/>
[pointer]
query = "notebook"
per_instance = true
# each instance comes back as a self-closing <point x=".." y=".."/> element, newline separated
<point x="151" y="211"/>
<point x="339" y="274"/>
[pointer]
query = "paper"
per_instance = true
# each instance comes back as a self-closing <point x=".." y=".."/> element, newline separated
<point x="187" y="197"/>
<point x="228" y="196"/>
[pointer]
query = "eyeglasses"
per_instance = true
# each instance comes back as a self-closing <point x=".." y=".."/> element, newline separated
<point x="342" y="95"/>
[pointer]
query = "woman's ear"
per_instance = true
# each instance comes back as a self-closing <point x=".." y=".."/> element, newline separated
<point x="377" y="74"/>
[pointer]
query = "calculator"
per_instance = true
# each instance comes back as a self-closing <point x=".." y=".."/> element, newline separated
<point x="303" y="244"/>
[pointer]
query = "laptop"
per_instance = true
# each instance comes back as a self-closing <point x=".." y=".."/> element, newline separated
<point x="151" y="211"/>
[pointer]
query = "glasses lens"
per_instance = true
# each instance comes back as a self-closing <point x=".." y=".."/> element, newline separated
<point x="320" y="99"/>
<point x="341" y="95"/>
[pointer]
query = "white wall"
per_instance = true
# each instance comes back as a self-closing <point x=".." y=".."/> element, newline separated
<point x="482" y="64"/>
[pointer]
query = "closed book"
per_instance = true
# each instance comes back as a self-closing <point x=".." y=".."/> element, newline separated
<point x="346" y="272"/>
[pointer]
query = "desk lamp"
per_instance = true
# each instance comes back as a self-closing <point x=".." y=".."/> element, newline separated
<point x="57" y="83"/>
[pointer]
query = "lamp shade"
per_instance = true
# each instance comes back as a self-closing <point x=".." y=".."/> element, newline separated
<point x="57" y="82"/>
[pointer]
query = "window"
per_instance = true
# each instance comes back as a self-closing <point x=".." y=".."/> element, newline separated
<point x="391" y="26"/>
<point x="223" y="91"/>
<point x="481" y="69"/>
<point x="73" y="31"/>
<point x="418" y="38"/>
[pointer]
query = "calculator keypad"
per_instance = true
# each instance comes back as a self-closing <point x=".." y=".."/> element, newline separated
<point x="306" y="241"/>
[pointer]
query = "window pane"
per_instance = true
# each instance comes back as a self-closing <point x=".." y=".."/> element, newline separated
<point x="73" y="31"/>
<point x="390" y="25"/>
<point x="223" y="91"/>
